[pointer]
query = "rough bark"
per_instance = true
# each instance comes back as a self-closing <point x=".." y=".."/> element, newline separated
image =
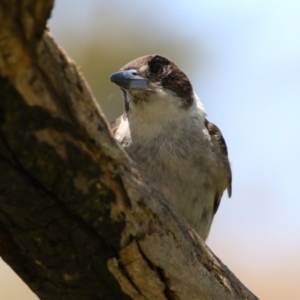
<point x="76" y="219"/>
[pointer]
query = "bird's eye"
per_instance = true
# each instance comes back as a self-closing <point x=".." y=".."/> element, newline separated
<point x="157" y="68"/>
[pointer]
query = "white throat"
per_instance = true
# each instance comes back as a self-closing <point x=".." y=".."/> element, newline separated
<point x="163" y="114"/>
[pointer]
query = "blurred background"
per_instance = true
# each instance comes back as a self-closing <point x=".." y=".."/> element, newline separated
<point x="243" y="58"/>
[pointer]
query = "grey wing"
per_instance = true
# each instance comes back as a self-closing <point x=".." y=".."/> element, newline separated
<point x="124" y="139"/>
<point x="215" y="133"/>
<point x="114" y="125"/>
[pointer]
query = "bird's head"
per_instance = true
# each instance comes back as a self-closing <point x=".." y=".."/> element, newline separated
<point x="153" y="80"/>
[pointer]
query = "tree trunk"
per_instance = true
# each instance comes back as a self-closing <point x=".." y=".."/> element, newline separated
<point x="76" y="219"/>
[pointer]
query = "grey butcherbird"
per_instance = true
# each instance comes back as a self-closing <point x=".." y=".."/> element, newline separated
<point x="165" y="131"/>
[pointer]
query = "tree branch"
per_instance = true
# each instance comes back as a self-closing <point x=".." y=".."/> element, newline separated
<point x="76" y="219"/>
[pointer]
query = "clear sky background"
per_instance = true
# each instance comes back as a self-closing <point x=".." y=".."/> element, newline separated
<point x="243" y="58"/>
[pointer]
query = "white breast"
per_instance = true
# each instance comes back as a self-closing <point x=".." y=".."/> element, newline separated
<point x="172" y="148"/>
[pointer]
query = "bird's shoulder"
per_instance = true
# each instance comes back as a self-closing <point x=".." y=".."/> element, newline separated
<point x="216" y="134"/>
<point x="220" y="145"/>
<point x="114" y="125"/>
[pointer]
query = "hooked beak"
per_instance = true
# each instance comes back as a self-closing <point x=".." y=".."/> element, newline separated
<point x="129" y="80"/>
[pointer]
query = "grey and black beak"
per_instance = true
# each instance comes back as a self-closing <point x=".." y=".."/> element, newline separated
<point x="129" y="80"/>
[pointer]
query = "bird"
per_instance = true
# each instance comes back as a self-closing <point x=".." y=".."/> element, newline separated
<point x="165" y="131"/>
